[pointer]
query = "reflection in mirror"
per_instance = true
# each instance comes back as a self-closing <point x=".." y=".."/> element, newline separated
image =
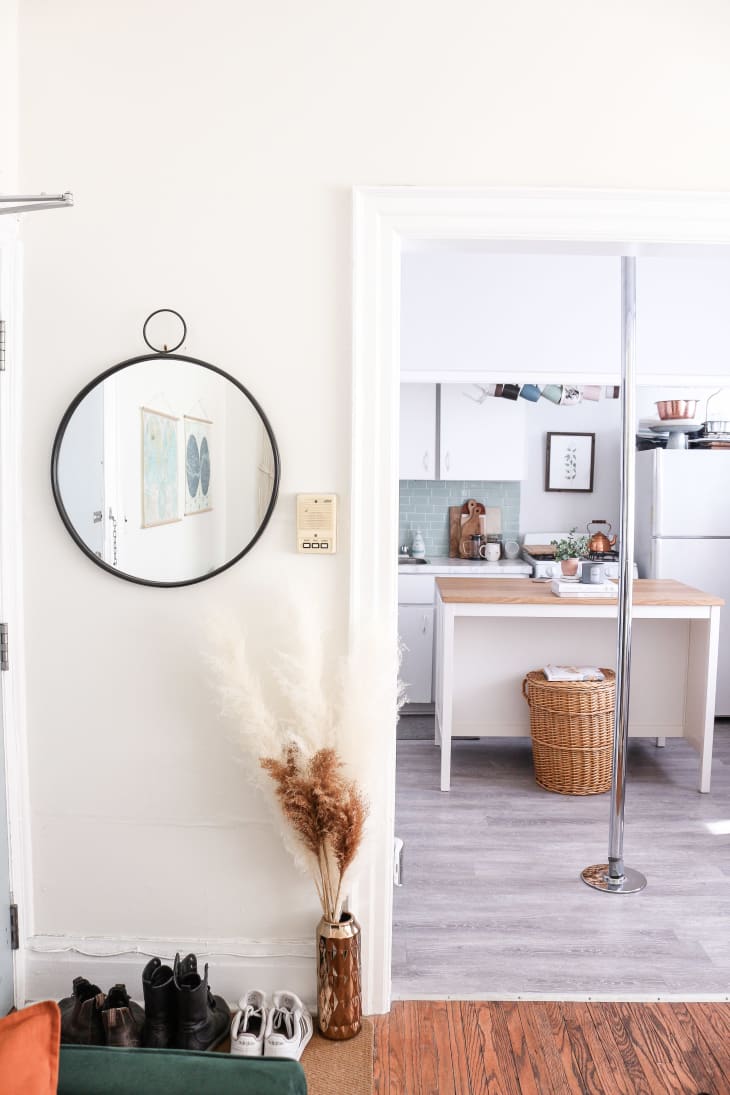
<point x="165" y="470"/>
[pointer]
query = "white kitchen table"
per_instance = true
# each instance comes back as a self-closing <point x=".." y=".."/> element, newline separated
<point x="490" y="633"/>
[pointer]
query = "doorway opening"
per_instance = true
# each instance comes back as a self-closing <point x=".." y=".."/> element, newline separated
<point x="388" y="223"/>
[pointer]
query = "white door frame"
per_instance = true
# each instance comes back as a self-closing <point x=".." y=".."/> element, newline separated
<point x="12" y="690"/>
<point x="384" y="220"/>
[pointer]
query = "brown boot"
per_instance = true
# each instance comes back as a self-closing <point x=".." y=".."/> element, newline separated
<point x="122" y="1018"/>
<point x="81" y="1023"/>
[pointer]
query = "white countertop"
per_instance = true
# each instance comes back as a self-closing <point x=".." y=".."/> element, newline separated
<point x="443" y="566"/>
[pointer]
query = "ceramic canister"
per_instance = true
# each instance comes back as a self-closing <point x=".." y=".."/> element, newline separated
<point x="553" y="392"/>
<point x="531" y="392"/>
<point x="592" y="392"/>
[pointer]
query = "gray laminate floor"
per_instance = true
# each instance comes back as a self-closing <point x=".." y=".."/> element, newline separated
<point x="492" y="903"/>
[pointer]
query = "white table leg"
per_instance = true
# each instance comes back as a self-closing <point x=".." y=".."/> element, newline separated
<point x="701" y="685"/>
<point x="438" y="661"/>
<point x="447" y="693"/>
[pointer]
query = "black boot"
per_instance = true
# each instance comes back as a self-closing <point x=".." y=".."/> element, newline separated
<point x="203" y="1020"/>
<point x="159" y="1005"/>
<point x="81" y="1023"/>
<point x="122" y="1018"/>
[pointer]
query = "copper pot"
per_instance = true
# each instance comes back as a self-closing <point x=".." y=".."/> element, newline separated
<point x="676" y="408"/>
<point x="599" y="541"/>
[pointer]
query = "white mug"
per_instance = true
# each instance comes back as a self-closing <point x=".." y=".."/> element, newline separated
<point x="490" y="552"/>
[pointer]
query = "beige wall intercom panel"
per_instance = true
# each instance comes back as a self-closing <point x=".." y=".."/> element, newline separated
<point x="317" y="523"/>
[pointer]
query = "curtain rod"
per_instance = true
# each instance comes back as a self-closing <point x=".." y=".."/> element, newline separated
<point x="27" y="203"/>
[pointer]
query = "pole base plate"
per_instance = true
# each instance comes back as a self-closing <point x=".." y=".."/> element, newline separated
<point x="597" y="876"/>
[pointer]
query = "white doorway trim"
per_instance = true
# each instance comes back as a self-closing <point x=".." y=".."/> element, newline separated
<point x="384" y="221"/>
<point x="12" y="691"/>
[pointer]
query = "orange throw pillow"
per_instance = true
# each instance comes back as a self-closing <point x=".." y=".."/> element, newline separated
<point x="30" y="1040"/>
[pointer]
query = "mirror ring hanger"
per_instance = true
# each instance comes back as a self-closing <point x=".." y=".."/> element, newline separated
<point x="165" y="349"/>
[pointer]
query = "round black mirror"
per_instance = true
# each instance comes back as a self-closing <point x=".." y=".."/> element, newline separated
<point x="165" y="470"/>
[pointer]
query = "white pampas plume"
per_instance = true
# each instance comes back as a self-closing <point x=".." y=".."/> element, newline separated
<point x="239" y="688"/>
<point x="287" y="687"/>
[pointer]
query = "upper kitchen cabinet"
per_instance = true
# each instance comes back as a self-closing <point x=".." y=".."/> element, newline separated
<point x="418" y="431"/>
<point x="481" y="440"/>
<point x="683" y="319"/>
<point x="510" y="317"/>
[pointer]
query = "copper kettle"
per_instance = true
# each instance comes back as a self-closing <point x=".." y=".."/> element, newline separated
<point x="599" y="541"/>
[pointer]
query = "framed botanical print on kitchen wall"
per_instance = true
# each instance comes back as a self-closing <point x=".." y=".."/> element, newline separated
<point x="569" y="461"/>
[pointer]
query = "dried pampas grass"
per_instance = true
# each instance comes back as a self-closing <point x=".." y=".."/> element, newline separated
<point x="326" y="811"/>
<point x="303" y="718"/>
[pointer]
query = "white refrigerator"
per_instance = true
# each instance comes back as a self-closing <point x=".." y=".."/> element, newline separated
<point x="683" y="531"/>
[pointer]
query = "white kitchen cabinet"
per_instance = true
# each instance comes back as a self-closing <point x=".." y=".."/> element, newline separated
<point x="514" y="317"/>
<point x="682" y="318"/>
<point x="415" y="627"/>
<point x="481" y="440"/>
<point x="417" y="431"/>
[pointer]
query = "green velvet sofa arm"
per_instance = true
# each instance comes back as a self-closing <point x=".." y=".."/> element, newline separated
<point x="101" y="1070"/>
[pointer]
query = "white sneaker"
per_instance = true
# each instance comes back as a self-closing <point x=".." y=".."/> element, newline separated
<point x="288" y="1028"/>
<point x="249" y="1025"/>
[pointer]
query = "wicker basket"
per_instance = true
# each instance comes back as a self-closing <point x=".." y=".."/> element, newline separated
<point x="571" y="723"/>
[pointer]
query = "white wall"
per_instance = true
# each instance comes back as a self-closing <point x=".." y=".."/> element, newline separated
<point x="8" y="96"/>
<point x="466" y="311"/>
<point x="211" y="149"/>
<point x="556" y="511"/>
<point x="8" y="110"/>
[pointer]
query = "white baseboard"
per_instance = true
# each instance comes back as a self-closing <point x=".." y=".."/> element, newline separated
<point x="235" y="965"/>
<point x="572" y="997"/>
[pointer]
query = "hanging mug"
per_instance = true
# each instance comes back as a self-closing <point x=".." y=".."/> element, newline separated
<point x="592" y="392"/>
<point x="571" y="395"/>
<point x="510" y="391"/>
<point x="531" y="392"/>
<point x="553" y="392"/>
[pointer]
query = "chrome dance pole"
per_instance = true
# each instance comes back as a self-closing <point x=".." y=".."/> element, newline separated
<point x="614" y="876"/>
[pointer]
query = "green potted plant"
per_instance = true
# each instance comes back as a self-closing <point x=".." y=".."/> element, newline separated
<point x="569" y="551"/>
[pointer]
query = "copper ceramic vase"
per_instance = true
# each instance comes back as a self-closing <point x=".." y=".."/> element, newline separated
<point x="339" y="978"/>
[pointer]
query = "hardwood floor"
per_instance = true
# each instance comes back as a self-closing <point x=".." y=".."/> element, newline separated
<point x="492" y="905"/>
<point x="527" y="1048"/>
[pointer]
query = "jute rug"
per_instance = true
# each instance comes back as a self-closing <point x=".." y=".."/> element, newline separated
<point x="340" y="1068"/>
<point x="336" y="1068"/>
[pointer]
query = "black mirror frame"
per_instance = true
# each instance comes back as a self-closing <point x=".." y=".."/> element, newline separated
<point x="55" y="486"/>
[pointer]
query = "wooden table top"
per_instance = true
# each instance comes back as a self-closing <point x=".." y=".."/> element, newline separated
<point x="521" y="591"/>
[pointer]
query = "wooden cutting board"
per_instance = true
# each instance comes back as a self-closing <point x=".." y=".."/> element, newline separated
<point x="454" y="531"/>
<point x="470" y="523"/>
<point x="459" y="518"/>
<point x="472" y="506"/>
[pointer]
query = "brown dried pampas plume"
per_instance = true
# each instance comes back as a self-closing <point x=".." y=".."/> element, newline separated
<point x="327" y="812"/>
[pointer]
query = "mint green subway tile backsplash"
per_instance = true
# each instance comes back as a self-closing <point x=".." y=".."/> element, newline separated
<point x="424" y="505"/>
